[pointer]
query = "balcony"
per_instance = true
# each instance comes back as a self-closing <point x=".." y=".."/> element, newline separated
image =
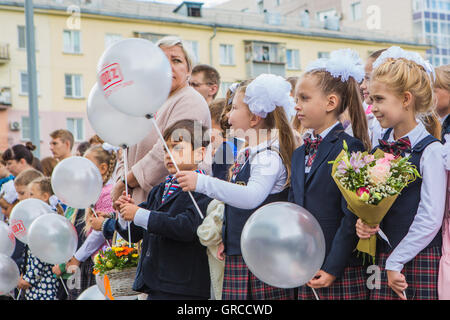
<point x="4" y="53"/>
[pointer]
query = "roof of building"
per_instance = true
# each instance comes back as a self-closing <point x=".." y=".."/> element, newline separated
<point x="211" y="17"/>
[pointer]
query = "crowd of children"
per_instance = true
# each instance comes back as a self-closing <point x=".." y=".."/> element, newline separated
<point x="396" y="102"/>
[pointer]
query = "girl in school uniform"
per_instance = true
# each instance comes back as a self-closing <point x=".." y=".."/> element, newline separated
<point x="408" y="257"/>
<point x="260" y="176"/>
<point x="326" y="90"/>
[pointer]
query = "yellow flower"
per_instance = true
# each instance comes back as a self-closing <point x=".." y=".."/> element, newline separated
<point x="135" y="255"/>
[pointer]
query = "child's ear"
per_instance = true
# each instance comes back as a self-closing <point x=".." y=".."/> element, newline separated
<point x="254" y="120"/>
<point x="407" y="99"/>
<point x="46" y="196"/>
<point x="332" y="103"/>
<point x="103" y="168"/>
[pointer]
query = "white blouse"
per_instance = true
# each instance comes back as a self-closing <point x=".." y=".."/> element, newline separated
<point x="428" y="219"/>
<point x="267" y="176"/>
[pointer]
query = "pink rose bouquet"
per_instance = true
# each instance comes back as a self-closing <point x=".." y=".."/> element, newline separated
<point x="370" y="183"/>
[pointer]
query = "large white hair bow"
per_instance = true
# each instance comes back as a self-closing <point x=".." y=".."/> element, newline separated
<point x="397" y="53"/>
<point x="267" y="92"/>
<point x="344" y="63"/>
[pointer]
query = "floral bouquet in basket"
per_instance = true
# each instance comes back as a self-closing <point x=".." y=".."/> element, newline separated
<point x="370" y="183"/>
<point x="116" y="258"/>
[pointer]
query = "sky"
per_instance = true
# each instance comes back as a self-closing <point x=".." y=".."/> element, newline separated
<point x="207" y="3"/>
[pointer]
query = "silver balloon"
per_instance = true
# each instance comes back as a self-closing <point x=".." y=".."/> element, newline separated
<point x="7" y="240"/>
<point x="91" y="293"/>
<point x="106" y="120"/>
<point x="135" y="76"/>
<point x="9" y="274"/>
<point x="53" y="239"/>
<point x="283" y="245"/>
<point x="77" y="182"/>
<point x="23" y="214"/>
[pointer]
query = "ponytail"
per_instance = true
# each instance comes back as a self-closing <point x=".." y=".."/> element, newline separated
<point x="286" y="138"/>
<point x="432" y="124"/>
<point x="352" y="101"/>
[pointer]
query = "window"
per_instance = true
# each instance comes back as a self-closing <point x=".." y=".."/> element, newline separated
<point x="192" y="48"/>
<point x="293" y="59"/>
<point x="328" y="13"/>
<point x="22" y="37"/>
<point x="226" y="54"/>
<point x="76" y="127"/>
<point x="24" y="83"/>
<point x="73" y="83"/>
<point x="356" y="11"/>
<point x="26" y="128"/>
<point x="224" y="86"/>
<point x="325" y="55"/>
<point x="111" y="38"/>
<point x="72" y="41"/>
<point x="261" y="6"/>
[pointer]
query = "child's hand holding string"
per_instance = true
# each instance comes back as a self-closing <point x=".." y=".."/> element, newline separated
<point x="128" y="211"/>
<point x="124" y="198"/>
<point x="397" y="282"/>
<point x="187" y="180"/>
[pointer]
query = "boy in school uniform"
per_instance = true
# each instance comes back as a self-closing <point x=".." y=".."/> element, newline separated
<point x="173" y="264"/>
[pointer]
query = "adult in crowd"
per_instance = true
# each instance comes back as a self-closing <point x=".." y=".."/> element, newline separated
<point x="146" y="159"/>
<point x="206" y="80"/>
<point x="61" y="144"/>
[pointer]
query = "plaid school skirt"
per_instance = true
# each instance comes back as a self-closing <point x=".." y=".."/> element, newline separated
<point x="421" y="274"/>
<point x="350" y="286"/>
<point x="240" y="284"/>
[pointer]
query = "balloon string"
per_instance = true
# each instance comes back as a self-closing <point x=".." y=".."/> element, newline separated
<point x="404" y="293"/>
<point x="62" y="281"/>
<point x="125" y="176"/>
<point x="175" y="164"/>
<point x="315" y="294"/>
<point x="18" y="296"/>
<point x="95" y="213"/>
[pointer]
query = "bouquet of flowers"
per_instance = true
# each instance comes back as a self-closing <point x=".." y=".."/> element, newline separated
<point x="118" y="265"/>
<point x="370" y="183"/>
<point x="118" y="258"/>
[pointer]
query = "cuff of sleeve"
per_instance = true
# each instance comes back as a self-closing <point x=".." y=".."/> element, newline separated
<point x="200" y="183"/>
<point x="393" y="266"/>
<point x="141" y="218"/>
<point x="80" y="256"/>
<point x="122" y="222"/>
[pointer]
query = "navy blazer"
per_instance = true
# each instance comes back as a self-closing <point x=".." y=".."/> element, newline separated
<point x="172" y="258"/>
<point x="318" y="193"/>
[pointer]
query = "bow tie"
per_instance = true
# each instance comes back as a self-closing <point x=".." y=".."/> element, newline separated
<point x="397" y="147"/>
<point x="311" y="147"/>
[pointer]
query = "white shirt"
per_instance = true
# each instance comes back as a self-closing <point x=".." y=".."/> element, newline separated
<point x="92" y="243"/>
<point x="267" y="176"/>
<point x="428" y="219"/>
<point x="322" y="135"/>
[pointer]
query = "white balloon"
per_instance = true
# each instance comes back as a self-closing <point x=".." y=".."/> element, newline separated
<point x="24" y="213"/>
<point x="283" y="245"/>
<point x="9" y="274"/>
<point x="91" y="293"/>
<point x="113" y="126"/>
<point x="135" y="76"/>
<point x="77" y="182"/>
<point x="7" y="239"/>
<point x="53" y="239"/>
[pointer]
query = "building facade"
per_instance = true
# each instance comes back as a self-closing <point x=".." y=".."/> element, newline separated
<point x="71" y="38"/>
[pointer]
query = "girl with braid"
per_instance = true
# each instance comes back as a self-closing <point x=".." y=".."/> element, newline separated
<point x="105" y="158"/>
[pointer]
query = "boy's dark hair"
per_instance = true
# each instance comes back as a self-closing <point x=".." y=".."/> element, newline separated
<point x="192" y="130"/>
<point x="82" y="147"/>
